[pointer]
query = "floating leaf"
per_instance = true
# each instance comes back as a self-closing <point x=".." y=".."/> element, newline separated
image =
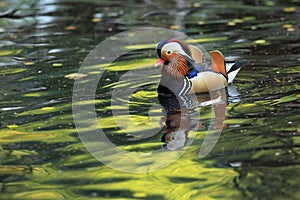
<point x="196" y="5"/>
<point x="259" y="41"/>
<point x="289" y="9"/>
<point x="287" y="26"/>
<point x="175" y="27"/>
<point x="231" y="23"/>
<point x="95" y="20"/>
<point x="75" y="76"/>
<point x="29" y="63"/>
<point x="71" y="28"/>
<point x="57" y="64"/>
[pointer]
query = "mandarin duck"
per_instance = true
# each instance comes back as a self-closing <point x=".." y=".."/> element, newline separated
<point x="183" y="71"/>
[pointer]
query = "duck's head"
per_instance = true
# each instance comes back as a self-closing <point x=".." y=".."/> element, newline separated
<point x="174" y="57"/>
<point x="175" y="140"/>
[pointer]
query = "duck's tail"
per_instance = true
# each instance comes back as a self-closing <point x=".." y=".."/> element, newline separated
<point x="228" y="69"/>
<point x="232" y="69"/>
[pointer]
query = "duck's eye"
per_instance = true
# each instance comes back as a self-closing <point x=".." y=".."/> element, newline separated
<point x="169" y="52"/>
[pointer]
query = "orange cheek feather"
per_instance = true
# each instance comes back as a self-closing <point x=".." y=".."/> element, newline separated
<point x="177" y="66"/>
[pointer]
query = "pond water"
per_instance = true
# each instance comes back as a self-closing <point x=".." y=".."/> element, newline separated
<point x="45" y="42"/>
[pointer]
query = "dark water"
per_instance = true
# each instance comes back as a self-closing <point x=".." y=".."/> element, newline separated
<point x="42" y="157"/>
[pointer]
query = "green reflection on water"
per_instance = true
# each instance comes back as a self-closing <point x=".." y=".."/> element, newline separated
<point x="41" y="157"/>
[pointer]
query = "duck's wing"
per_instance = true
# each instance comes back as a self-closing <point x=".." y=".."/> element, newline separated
<point x="218" y="63"/>
<point x="197" y="54"/>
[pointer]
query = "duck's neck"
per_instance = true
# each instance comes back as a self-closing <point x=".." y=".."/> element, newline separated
<point x="171" y="85"/>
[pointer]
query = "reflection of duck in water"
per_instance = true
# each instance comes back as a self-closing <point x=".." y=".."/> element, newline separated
<point x="181" y="116"/>
<point x="176" y="121"/>
<point x="183" y="73"/>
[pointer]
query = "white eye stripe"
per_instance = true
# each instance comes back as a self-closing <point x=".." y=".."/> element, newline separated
<point x="174" y="46"/>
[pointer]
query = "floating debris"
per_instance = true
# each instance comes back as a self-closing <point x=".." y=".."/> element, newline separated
<point x="75" y="76"/>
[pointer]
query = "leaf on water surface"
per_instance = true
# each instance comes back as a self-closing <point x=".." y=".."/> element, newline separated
<point x="75" y="76"/>
<point x="57" y="65"/>
<point x="232" y="23"/>
<point x="71" y="28"/>
<point x="201" y="22"/>
<point x="289" y="9"/>
<point x="259" y="42"/>
<point x="287" y="26"/>
<point x="29" y="63"/>
<point x="175" y="27"/>
<point x="96" y="19"/>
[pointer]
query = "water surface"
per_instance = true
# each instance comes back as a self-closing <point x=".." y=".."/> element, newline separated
<point x="42" y="157"/>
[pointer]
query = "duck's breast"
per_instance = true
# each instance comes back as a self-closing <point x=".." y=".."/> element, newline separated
<point x="208" y="81"/>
